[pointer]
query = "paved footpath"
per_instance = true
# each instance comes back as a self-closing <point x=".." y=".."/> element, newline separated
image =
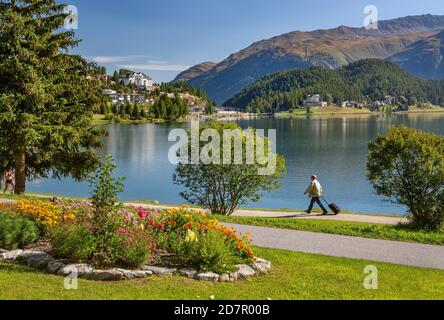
<point x="402" y="253"/>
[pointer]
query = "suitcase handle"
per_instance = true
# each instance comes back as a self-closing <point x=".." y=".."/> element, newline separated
<point x="325" y="201"/>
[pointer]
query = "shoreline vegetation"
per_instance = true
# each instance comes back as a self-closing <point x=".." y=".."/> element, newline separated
<point x="297" y="113"/>
<point x="339" y="111"/>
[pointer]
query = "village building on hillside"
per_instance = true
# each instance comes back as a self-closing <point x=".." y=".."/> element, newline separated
<point x="138" y="79"/>
<point x="126" y="98"/>
<point x="314" y="101"/>
<point x="353" y="104"/>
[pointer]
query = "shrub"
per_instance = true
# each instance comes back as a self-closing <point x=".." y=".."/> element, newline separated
<point x="134" y="249"/>
<point x="103" y="233"/>
<point x="105" y="224"/>
<point x="206" y="251"/>
<point x="222" y="188"/>
<point x="125" y="245"/>
<point x="17" y="232"/>
<point x="196" y="240"/>
<point x="214" y="254"/>
<point x="73" y="240"/>
<point x="407" y="166"/>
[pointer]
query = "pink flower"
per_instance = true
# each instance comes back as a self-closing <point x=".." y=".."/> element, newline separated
<point x="122" y="232"/>
<point x="142" y="212"/>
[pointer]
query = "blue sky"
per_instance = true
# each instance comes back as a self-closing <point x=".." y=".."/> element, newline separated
<point x="161" y="38"/>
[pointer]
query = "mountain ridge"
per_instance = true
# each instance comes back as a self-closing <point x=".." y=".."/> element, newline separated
<point x="195" y="71"/>
<point x="331" y="48"/>
<point x="424" y="58"/>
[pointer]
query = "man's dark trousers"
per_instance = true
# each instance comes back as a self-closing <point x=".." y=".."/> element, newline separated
<point x="319" y="202"/>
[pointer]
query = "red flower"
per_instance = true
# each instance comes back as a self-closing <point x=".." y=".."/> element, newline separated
<point x="153" y="247"/>
<point x="160" y="226"/>
<point x="123" y="232"/>
<point x="152" y="222"/>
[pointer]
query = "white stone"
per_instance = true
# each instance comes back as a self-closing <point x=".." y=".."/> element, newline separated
<point x="80" y="269"/>
<point x="234" y="276"/>
<point x="35" y="259"/>
<point x="245" y="271"/>
<point x="103" y="275"/>
<point x="10" y="255"/>
<point x="134" y="274"/>
<point x="261" y="265"/>
<point x="189" y="273"/>
<point x="160" y="271"/>
<point x="208" y="276"/>
<point x="224" y="278"/>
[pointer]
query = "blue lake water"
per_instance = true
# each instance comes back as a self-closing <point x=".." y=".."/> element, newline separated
<point x="334" y="148"/>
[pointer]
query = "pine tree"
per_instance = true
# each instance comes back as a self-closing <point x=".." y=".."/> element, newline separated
<point x="45" y="95"/>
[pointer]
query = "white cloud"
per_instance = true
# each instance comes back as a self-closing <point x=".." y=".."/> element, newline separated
<point x="134" y="62"/>
<point x="155" y="67"/>
<point x="114" y="59"/>
<point x="156" y="62"/>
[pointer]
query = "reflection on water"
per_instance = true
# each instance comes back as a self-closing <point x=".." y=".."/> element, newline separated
<point x="334" y="148"/>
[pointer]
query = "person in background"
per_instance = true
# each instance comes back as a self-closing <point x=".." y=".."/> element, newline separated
<point x="315" y="192"/>
<point x="9" y="180"/>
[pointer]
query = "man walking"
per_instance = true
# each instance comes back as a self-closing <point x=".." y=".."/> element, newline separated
<point x="315" y="192"/>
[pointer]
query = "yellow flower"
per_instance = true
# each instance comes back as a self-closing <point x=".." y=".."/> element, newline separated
<point x="191" y="236"/>
<point x="44" y="212"/>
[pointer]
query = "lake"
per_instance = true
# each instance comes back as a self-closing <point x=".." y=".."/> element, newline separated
<point x="333" y="148"/>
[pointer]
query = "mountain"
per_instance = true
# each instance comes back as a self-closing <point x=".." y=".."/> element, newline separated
<point x="331" y="48"/>
<point x="366" y="80"/>
<point x="195" y="71"/>
<point x="424" y="58"/>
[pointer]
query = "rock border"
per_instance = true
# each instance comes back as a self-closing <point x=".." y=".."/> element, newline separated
<point x="43" y="261"/>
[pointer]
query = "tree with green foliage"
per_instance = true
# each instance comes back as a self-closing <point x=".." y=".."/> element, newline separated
<point x="104" y="195"/>
<point x="169" y="108"/>
<point x="136" y="112"/>
<point x="223" y="187"/>
<point x="407" y="166"/>
<point x="45" y="95"/>
<point x="116" y="77"/>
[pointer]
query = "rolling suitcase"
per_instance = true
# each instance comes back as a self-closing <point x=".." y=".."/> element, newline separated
<point x="333" y="207"/>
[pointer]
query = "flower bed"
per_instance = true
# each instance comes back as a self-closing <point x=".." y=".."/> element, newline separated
<point x="126" y="243"/>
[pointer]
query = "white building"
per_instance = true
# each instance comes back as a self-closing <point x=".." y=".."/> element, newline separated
<point x="138" y="79"/>
<point x="314" y="101"/>
<point x="125" y="98"/>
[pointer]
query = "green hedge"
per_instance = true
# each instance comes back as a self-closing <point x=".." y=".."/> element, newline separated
<point x="17" y="232"/>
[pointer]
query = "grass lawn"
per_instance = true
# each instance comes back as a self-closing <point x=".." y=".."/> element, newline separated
<point x="359" y="229"/>
<point x="293" y="276"/>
